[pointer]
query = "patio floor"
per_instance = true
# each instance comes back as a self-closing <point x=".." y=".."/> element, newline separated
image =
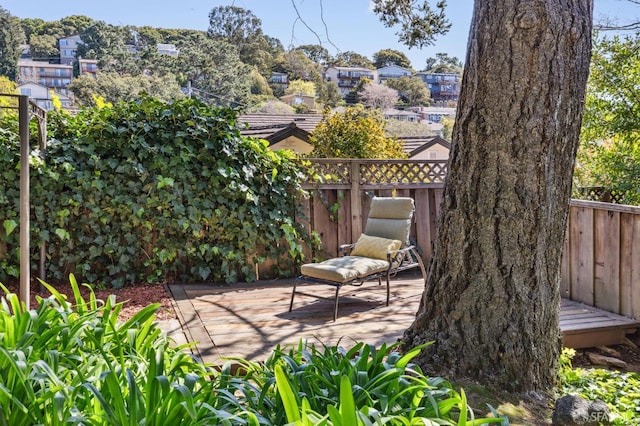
<point x="250" y="320"/>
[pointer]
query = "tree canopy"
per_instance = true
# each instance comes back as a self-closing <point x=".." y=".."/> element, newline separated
<point x="412" y="90"/>
<point x="420" y="24"/>
<point x="11" y="37"/>
<point x="354" y="133"/>
<point x="386" y="57"/>
<point x="610" y="153"/>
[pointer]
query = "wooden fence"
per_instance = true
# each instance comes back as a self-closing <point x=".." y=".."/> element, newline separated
<point x="601" y="265"/>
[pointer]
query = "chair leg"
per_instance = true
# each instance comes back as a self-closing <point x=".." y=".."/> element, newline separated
<point x="293" y="293"/>
<point x="388" y="289"/>
<point x="335" y="304"/>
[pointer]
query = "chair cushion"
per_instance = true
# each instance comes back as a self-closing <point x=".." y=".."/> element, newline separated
<point x="376" y="247"/>
<point x="390" y="218"/>
<point x="343" y="269"/>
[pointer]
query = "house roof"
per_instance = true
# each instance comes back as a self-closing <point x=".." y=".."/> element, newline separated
<point x="265" y="125"/>
<point x="414" y="145"/>
<point x="292" y="130"/>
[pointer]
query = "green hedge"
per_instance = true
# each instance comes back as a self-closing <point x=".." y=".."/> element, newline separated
<point x="148" y="191"/>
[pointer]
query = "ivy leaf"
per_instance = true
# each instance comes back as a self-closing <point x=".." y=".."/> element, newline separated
<point x="165" y="181"/>
<point x="9" y="226"/>
<point x="63" y="234"/>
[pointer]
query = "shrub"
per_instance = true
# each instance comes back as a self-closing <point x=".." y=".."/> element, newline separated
<point x="76" y="363"/>
<point x="149" y="191"/>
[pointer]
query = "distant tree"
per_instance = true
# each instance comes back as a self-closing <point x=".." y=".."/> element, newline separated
<point x="11" y="37"/>
<point x="300" y="87"/>
<point x="243" y="29"/>
<point x="233" y="24"/>
<point x="214" y="66"/>
<point x="352" y="59"/>
<point x="148" y="36"/>
<point x="273" y="107"/>
<point x="329" y="94"/>
<point x="316" y="53"/>
<point x="412" y="90"/>
<point x="106" y="44"/>
<point x="387" y="57"/>
<point x="114" y="88"/>
<point x="32" y="26"/>
<point x="443" y="63"/>
<point x="419" y="23"/>
<point x="402" y="128"/>
<point x="378" y="96"/>
<point x="447" y="127"/>
<point x="259" y="84"/>
<point x="297" y="65"/>
<point x="75" y="24"/>
<point x="354" y="133"/>
<point x="44" y="47"/>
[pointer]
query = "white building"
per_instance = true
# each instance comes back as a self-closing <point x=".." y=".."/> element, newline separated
<point x="392" y="71"/>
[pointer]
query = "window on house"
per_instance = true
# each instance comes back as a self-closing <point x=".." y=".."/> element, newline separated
<point x="64" y="42"/>
<point x="25" y="91"/>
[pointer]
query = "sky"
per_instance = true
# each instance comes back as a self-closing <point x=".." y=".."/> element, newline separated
<point x="349" y="25"/>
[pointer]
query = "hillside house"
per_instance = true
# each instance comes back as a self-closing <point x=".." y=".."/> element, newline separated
<point x="392" y="71"/>
<point x="348" y="77"/>
<point x="42" y="95"/>
<point x="68" y="47"/>
<point x="443" y="86"/>
<point x="53" y="76"/>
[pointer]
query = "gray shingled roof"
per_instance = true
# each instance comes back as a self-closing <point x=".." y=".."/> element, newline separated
<point x="264" y="125"/>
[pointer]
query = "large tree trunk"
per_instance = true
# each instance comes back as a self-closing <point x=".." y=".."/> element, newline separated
<point x="491" y="302"/>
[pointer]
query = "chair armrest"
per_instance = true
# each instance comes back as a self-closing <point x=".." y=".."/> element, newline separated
<point x="398" y="255"/>
<point x="345" y="249"/>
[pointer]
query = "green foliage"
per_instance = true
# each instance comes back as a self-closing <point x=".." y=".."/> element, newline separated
<point x="609" y="156"/>
<point x="361" y="385"/>
<point x="74" y="362"/>
<point x="419" y="23"/>
<point x="443" y="63"/>
<point x="300" y="87"/>
<point x="401" y="128"/>
<point x="354" y="133"/>
<point x="214" y="66"/>
<point x="352" y="59"/>
<point x="113" y="87"/>
<point x="620" y="391"/>
<point x="11" y="37"/>
<point x="147" y="191"/>
<point x="387" y="57"/>
<point x="412" y="90"/>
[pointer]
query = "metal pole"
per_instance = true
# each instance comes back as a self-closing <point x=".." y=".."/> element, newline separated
<point x="25" y="275"/>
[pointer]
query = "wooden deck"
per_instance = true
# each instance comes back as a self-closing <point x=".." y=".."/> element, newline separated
<point x="249" y="321"/>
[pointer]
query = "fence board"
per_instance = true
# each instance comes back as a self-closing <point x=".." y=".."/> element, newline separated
<point x="630" y="265"/>
<point x="565" y="273"/>
<point x="423" y="228"/>
<point x="581" y="235"/>
<point x="606" y="227"/>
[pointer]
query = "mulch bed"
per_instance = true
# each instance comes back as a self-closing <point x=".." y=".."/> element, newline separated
<point x="134" y="297"/>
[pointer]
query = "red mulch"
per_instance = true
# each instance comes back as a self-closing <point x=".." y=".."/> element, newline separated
<point x="134" y="297"/>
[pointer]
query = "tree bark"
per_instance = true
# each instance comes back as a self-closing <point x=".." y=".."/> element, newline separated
<point x="491" y="302"/>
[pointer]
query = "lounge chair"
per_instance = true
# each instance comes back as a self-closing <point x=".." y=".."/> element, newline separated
<point x="382" y="250"/>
